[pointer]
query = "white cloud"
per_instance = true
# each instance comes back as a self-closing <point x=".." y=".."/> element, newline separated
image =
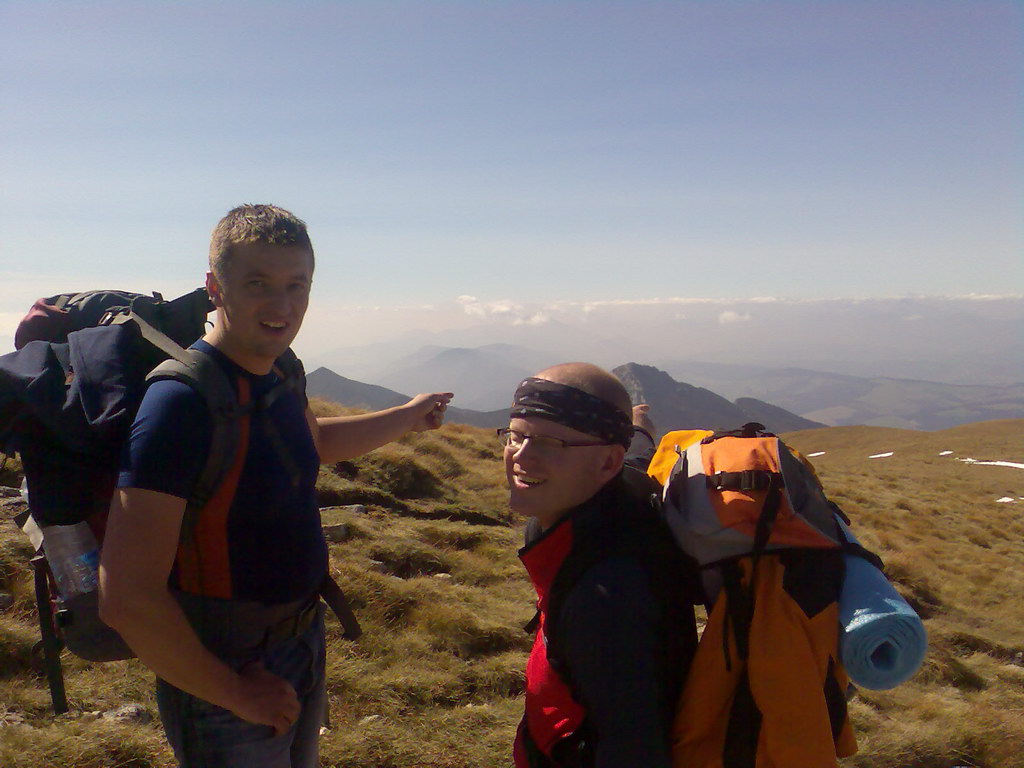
<point x="502" y="308"/>
<point x="590" y="306"/>
<point x="730" y="316"/>
<point x="988" y="296"/>
<point x="539" y="318"/>
<point x="520" y="311"/>
<point x="471" y="306"/>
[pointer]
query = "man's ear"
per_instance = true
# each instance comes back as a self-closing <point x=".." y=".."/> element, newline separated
<point x="213" y="288"/>
<point x="613" y="461"/>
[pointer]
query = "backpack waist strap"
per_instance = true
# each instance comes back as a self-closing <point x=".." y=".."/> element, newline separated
<point x="240" y="628"/>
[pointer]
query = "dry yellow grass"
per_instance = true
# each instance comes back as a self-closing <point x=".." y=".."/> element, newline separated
<point x="958" y="557"/>
<point x="431" y="567"/>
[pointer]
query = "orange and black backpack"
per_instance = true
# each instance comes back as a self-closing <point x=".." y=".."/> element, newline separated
<point x="767" y="687"/>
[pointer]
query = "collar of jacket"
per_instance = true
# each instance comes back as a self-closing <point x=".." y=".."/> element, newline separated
<point x="544" y="555"/>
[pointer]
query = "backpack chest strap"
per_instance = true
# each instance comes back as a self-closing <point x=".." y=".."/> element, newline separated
<point x="745" y="480"/>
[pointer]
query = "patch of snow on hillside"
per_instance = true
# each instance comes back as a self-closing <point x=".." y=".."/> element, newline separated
<point x="1006" y="500"/>
<point x="1013" y="464"/>
<point x="812" y="455"/>
<point x="945" y="453"/>
<point x="881" y="455"/>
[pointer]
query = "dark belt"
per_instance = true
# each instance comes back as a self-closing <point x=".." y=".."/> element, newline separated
<point x="237" y="627"/>
<point x="291" y="626"/>
<point x="331" y="593"/>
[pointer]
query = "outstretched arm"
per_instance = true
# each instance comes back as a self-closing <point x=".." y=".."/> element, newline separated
<point x="344" y="437"/>
<point x="138" y="552"/>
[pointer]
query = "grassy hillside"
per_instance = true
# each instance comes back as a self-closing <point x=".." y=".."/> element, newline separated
<point x="958" y="556"/>
<point x="429" y="561"/>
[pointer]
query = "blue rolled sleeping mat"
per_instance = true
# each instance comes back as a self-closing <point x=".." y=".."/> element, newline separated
<point x="884" y="641"/>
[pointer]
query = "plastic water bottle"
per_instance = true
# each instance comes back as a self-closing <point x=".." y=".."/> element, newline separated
<point x="74" y="557"/>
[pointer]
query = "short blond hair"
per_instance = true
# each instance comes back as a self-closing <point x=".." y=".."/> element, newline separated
<point x="255" y="223"/>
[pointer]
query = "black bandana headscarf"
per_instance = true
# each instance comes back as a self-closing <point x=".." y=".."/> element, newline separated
<point x="572" y="407"/>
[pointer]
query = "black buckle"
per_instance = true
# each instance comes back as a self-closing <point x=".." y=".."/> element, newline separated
<point x="744" y="480"/>
<point x="291" y="626"/>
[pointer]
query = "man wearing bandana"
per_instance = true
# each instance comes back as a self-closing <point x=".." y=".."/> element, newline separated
<point x="614" y="626"/>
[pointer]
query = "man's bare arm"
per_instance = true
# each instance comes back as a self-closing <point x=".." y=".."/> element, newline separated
<point x="138" y="553"/>
<point x="344" y="437"/>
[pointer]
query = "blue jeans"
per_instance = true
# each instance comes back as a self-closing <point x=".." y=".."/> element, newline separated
<point x="204" y="735"/>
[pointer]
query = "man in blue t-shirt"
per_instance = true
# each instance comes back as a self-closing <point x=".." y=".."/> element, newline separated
<point x="229" y="620"/>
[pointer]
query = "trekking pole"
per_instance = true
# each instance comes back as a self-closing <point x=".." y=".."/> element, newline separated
<point x="51" y="644"/>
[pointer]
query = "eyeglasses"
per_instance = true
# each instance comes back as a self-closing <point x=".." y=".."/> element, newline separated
<point x="515" y="440"/>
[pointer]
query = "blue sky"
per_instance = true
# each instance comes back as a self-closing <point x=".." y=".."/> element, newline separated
<point x="520" y="151"/>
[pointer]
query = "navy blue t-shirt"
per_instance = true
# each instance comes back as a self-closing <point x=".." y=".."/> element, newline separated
<point x="266" y="543"/>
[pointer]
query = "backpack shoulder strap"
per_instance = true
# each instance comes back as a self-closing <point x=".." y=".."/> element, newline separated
<point x="292" y="379"/>
<point x="160" y="340"/>
<point x="628" y="522"/>
<point x="620" y="523"/>
<point x="205" y="375"/>
<point x="292" y="373"/>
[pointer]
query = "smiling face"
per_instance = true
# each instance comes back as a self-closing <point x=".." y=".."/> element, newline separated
<point x="545" y="482"/>
<point x="261" y="300"/>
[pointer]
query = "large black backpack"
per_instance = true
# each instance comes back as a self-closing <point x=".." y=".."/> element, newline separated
<point x="69" y="394"/>
<point x="51" y="319"/>
<point x="68" y="397"/>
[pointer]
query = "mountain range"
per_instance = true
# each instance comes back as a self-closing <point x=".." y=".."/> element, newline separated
<point x="843" y="400"/>
<point x="483" y="379"/>
<point x="672" y="403"/>
<point x="325" y="383"/>
<point x="677" y="405"/>
<point x="965" y="340"/>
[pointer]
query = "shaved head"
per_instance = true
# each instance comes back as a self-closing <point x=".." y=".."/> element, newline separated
<point x="592" y="380"/>
<point x="552" y="461"/>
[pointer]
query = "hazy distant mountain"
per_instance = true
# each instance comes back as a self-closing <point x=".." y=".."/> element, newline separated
<point x="481" y="378"/>
<point x="838" y="399"/>
<point x="489" y="419"/>
<point x="325" y="383"/>
<point x="484" y="378"/>
<point x="795" y="389"/>
<point x="966" y="340"/>
<point x="535" y="344"/>
<point x="672" y="403"/>
<point x="677" y="405"/>
<point x="366" y="362"/>
<point x="921" y="405"/>
<point x="528" y="345"/>
<point x="772" y="416"/>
